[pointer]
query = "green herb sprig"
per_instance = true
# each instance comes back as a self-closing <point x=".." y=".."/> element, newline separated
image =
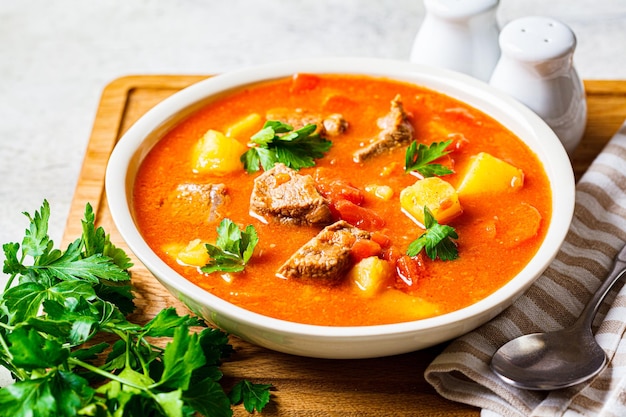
<point x="278" y="142"/>
<point x="436" y="240"/>
<point x="420" y="157"/>
<point x="233" y="248"/>
<point x="54" y="307"/>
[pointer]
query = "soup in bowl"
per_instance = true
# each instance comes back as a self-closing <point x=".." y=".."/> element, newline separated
<point x="342" y="208"/>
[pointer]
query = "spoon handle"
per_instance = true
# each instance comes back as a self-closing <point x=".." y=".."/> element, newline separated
<point x="619" y="269"/>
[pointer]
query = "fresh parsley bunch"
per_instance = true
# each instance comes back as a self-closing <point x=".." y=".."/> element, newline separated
<point x="278" y="142"/>
<point x="65" y="337"/>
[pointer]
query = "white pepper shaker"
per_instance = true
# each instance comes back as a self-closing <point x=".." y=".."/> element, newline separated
<point x="536" y="68"/>
<point x="461" y="35"/>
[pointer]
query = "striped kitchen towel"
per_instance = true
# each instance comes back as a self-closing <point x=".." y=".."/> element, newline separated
<point x="598" y="231"/>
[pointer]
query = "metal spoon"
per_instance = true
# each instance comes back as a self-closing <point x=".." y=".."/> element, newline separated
<point x="558" y="359"/>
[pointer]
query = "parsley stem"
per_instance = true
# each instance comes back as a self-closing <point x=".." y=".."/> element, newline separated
<point x="114" y="377"/>
<point x="18" y="372"/>
<point x="140" y="341"/>
<point x="127" y="354"/>
<point x="6" y="326"/>
<point x="108" y="375"/>
<point x="10" y="282"/>
<point x="7" y="352"/>
<point x="5" y="346"/>
<point x="136" y="348"/>
<point x="127" y="337"/>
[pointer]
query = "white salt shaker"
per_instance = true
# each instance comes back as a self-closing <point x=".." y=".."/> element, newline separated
<point x="536" y="67"/>
<point x="461" y="35"/>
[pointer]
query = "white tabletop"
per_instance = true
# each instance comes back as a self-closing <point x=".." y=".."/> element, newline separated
<point x="57" y="56"/>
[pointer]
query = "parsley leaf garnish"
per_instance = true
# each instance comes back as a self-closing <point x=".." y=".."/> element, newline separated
<point x="420" y="157"/>
<point x="233" y="248"/>
<point x="437" y="240"/>
<point x="253" y="396"/>
<point x="63" y="301"/>
<point x="278" y="142"/>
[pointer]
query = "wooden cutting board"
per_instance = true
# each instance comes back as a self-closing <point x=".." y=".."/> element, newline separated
<point x="391" y="386"/>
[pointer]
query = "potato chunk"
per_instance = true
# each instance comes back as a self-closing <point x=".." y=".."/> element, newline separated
<point x="194" y="254"/>
<point x="370" y="275"/>
<point x="217" y="154"/>
<point x="487" y="173"/>
<point x="246" y="127"/>
<point x="438" y="195"/>
<point x="384" y="192"/>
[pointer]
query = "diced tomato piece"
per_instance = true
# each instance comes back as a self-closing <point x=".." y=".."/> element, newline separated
<point x="392" y="254"/>
<point x="364" y="248"/>
<point x="336" y="190"/>
<point x="408" y="270"/>
<point x="304" y="82"/>
<point x="358" y="216"/>
<point x="382" y="239"/>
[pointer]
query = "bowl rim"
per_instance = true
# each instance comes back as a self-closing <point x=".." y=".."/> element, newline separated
<point x="563" y="191"/>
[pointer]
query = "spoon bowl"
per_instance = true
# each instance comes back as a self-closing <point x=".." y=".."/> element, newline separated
<point x="562" y="358"/>
<point x="547" y="361"/>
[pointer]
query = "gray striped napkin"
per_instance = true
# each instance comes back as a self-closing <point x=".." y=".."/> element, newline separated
<point x="598" y="231"/>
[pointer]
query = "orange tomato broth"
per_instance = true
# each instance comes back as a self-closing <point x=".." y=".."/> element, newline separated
<point x="494" y="241"/>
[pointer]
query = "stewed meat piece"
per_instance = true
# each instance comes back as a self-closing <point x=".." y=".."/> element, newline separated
<point x="396" y="130"/>
<point x="283" y="195"/>
<point x="332" y="125"/>
<point x="211" y="197"/>
<point x="325" y="258"/>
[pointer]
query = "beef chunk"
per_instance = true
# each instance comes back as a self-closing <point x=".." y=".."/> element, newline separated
<point x="281" y="194"/>
<point x="326" y="257"/>
<point x="210" y="196"/>
<point x="396" y="130"/>
<point x="333" y="125"/>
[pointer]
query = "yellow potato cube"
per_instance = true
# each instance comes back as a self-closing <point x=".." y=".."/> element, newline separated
<point x="370" y="275"/>
<point x="245" y="127"/>
<point x="438" y="195"/>
<point x="217" y="154"/>
<point x="384" y="192"/>
<point x="487" y="173"/>
<point x="194" y="254"/>
<point x="172" y="249"/>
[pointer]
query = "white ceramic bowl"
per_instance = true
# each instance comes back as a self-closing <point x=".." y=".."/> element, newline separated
<point x="326" y="341"/>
